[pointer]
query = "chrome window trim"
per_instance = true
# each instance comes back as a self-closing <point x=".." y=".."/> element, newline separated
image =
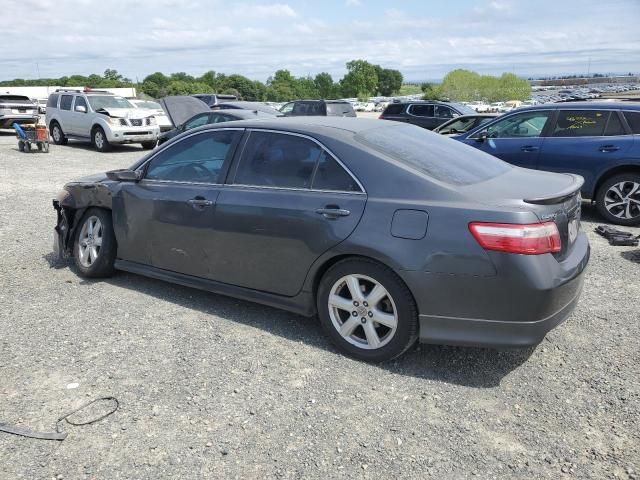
<point x="177" y="182"/>
<point x="293" y="189"/>
<point x="322" y="147"/>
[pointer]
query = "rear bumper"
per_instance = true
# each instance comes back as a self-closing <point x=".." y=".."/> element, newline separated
<point x="7" y="120"/>
<point x="491" y="333"/>
<point x="529" y="296"/>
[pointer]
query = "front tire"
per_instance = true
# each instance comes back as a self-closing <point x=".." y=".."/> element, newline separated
<point x="149" y="145"/>
<point x="99" y="140"/>
<point x="94" y="249"/>
<point x="366" y="310"/>
<point x="58" y="135"/>
<point x="618" y="199"/>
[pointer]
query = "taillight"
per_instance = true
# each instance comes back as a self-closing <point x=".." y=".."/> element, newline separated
<point x="530" y="239"/>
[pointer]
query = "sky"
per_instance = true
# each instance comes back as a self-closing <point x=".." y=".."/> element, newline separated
<point x="424" y="39"/>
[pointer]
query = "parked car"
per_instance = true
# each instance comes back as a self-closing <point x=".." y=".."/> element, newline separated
<point x="274" y="211"/>
<point x="599" y="141"/>
<point x="99" y="117"/>
<point x="323" y="108"/>
<point x="16" y="109"/>
<point x="161" y="118"/>
<point x="242" y="105"/>
<point x="187" y="113"/>
<point x="214" y="99"/>
<point x="425" y="114"/>
<point x="464" y="123"/>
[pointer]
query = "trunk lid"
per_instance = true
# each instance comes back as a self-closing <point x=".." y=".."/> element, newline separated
<point x="551" y="196"/>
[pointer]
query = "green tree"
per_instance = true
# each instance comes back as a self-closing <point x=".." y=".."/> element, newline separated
<point x="430" y="91"/>
<point x="281" y="87"/>
<point x="461" y="85"/>
<point x="158" y="78"/>
<point x="182" y="77"/>
<point x="361" y="79"/>
<point x="210" y="79"/>
<point x="241" y="84"/>
<point x="325" y="85"/>
<point x="110" y="74"/>
<point x="389" y="81"/>
<point x="514" y="87"/>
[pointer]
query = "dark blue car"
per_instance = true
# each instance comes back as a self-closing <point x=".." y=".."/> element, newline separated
<point x="599" y="141"/>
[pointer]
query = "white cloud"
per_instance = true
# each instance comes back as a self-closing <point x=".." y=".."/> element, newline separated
<point x="353" y="3"/>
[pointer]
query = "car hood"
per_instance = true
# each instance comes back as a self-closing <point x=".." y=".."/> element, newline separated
<point x="126" y="112"/>
<point x="179" y="109"/>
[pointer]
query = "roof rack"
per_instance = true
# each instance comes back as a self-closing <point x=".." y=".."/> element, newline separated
<point x="76" y="90"/>
<point x="83" y="90"/>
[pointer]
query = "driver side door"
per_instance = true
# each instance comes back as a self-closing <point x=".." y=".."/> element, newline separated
<point x="515" y="138"/>
<point x="167" y="220"/>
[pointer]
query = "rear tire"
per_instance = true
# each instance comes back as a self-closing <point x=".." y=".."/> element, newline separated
<point x="618" y="199"/>
<point x="58" y="135"/>
<point x="377" y="323"/>
<point x="94" y="248"/>
<point x="99" y="140"/>
<point x="149" y="145"/>
<point x="20" y="146"/>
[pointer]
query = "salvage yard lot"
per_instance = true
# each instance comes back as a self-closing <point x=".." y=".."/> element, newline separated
<point x="212" y="386"/>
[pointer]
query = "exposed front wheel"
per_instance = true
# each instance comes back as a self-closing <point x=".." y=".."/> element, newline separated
<point x="149" y="145"/>
<point x="618" y="199"/>
<point x="94" y="249"/>
<point x="367" y="311"/>
<point x="99" y="139"/>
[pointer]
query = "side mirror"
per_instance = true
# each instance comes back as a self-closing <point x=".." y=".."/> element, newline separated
<point x="81" y="109"/>
<point x="123" y="175"/>
<point x="482" y="137"/>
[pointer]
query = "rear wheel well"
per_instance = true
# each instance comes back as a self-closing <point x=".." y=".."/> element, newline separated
<point x="635" y="169"/>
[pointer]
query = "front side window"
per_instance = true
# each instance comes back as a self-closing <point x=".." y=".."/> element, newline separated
<point x="197" y="121"/>
<point x="443" y="112"/>
<point x="458" y="126"/>
<point x="520" y="125"/>
<point x="331" y="176"/>
<point x="421" y="110"/>
<point x="277" y="160"/>
<point x="580" y="123"/>
<point x="98" y="102"/>
<point x="65" y="102"/>
<point x="80" y="102"/>
<point x="196" y="159"/>
<point x="287" y="108"/>
<point x="633" y="119"/>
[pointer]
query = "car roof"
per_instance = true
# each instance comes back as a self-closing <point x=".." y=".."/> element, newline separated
<point x="311" y="124"/>
<point x="584" y="106"/>
<point x="319" y="101"/>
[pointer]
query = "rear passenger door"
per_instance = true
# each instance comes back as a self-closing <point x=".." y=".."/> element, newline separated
<point x="287" y="202"/>
<point x="64" y="113"/>
<point x="422" y="115"/>
<point x="586" y="142"/>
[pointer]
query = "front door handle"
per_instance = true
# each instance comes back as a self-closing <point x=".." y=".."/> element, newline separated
<point x="200" y="202"/>
<point x="529" y="148"/>
<point x="609" y="148"/>
<point x="333" y="213"/>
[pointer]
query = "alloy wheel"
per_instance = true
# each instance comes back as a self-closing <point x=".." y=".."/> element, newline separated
<point x="56" y="133"/>
<point x="622" y="200"/>
<point x="90" y="241"/>
<point x="98" y="139"/>
<point x="363" y="311"/>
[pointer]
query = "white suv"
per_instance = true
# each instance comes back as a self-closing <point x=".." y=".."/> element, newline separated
<point x="99" y="117"/>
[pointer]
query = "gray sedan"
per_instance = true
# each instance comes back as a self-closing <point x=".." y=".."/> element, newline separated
<point x="386" y="231"/>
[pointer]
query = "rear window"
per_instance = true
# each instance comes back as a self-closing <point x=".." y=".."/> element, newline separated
<point x="15" y="99"/>
<point x="52" y="101"/>
<point x="440" y="158"/>
<point x="393" y="109"/>
<point x="339" y="109"/>
<point x="633" y="119"/>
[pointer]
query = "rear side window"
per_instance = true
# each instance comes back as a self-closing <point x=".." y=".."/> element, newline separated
<point x="197" y="121"/>
<point x="339" y="109"/>
<point x="633" y="119"/>
<point x="443" y="112"/>
<point x="196" y="159"/>
<point x="308" y="108"/>
<point x="331" y="176"/>
<point x="421" y="110"/>
<point x="65" y="102"/>
<point x="614" y="126"/>
<point x="393" y="109"/>
<point x="440" y="158"/>
<point x="277" y="160"/>
<point x="52" y="102"/>
<point x="580" y="123"/>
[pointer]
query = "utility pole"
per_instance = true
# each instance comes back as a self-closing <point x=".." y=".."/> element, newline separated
<point x="589" y="67"/>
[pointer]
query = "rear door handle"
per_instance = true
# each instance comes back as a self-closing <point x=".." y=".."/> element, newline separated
<point x="529" y="148"/>
<point x="609" y="148"/>
<point x="333" y="212"/>
<point x="200" y="202"/>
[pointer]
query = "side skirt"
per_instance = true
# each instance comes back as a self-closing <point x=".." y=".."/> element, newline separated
<point x="302" y="304"/>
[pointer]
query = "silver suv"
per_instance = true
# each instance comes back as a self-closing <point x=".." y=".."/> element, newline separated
<point x="101" y="118"/>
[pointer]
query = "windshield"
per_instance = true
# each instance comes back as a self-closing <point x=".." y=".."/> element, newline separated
<point x="438" y="157"/>
<point x="463" y="109"/>
<point x="457" y="126"/>
<point x="108" y="101"/>
<point x="149" y="104"/>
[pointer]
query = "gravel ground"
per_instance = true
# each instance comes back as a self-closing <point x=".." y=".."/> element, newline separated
<point x="215" y="387"/>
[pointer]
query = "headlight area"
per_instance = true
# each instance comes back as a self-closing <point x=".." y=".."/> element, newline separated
<point x="117" y="122"/>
